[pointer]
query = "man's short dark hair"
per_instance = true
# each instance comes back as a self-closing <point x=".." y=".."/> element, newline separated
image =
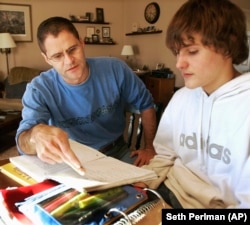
<point x="53" y="26"/>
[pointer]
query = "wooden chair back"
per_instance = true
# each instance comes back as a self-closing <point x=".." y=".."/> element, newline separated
<point x="135" y="128"/>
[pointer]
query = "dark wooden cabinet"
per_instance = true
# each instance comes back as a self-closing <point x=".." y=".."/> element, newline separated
<point x="161" y="89"/>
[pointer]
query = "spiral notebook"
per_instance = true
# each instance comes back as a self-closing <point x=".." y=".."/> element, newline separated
<point x="147" y="214"/>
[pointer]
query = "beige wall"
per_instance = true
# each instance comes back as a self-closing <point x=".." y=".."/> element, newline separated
<point x="28" y="54"/>
<point x="150" y="49"/>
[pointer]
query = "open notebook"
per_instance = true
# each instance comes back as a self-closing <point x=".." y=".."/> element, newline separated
<point x="102" y="172"/>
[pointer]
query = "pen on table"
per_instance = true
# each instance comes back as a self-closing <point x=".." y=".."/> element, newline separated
<point x="67" y="205"/>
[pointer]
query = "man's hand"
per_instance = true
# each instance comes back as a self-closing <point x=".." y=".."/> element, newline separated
<point x="143" y="156"/>
<point x="51" y="145"/>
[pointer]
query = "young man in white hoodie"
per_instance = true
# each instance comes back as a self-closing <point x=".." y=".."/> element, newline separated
<point x="203" y="139"/>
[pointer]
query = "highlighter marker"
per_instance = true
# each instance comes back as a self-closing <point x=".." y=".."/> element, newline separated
<point x="100" y="197"/>
<point x="67" y="205"/>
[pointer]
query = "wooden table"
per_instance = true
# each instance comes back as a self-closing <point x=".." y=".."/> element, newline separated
<point x="5" y="181"/>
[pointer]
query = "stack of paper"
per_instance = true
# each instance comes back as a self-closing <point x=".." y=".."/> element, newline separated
<point x="102" y="172"/>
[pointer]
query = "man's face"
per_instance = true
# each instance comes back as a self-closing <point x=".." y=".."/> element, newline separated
<point x="66" y="54"/>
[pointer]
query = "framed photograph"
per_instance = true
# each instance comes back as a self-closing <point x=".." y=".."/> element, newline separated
<point x="99" y="15"/>
<point x="90" y="32"/>
<point x="105" y="32"/>
<point x="88" y="15"/>
<point x="95" y="38"/>
<point x="159" y="66"/>
<point x="16" y="20"/>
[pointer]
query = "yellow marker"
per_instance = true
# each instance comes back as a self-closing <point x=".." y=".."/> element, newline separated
<point x="90" y="201"/>
<point x="100" y="198"/>
<point x="67" y="205"/>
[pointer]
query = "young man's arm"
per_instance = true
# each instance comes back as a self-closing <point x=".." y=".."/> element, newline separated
<point x="149" y="128"/>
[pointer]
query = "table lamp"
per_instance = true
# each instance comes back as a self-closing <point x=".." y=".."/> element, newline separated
<point x="6" y="43"/>
<point x="127" y="50"/>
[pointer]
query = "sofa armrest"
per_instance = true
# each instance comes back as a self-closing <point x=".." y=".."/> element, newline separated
<point x="7" y="104"/>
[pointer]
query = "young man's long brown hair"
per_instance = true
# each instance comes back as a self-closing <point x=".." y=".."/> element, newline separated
<point x="222" y="26"/>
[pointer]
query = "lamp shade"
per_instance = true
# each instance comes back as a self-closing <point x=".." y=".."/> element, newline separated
<point x="6" y="41"/>
<point x="127" y="50"/>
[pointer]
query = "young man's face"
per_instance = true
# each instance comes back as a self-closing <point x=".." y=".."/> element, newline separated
<point x="202" y="66"/>
<point x="66" y="54"/>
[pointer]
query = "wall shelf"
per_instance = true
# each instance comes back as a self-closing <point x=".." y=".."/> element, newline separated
<point x="90" y="22"/>
<point x="94" y="22"/>
<point x="143" y="33"/>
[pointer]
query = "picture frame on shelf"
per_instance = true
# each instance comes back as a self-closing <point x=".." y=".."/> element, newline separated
<point x="99" y="15"/>
<point x="90" y="31"/>
<point x="20" y="27"/>
<point x="88" y="15"/>
<point x="159" y="66"/>
<point x="105" y="32"/>
<point x="95" y="38"/>
<point x="87" y="40"/>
